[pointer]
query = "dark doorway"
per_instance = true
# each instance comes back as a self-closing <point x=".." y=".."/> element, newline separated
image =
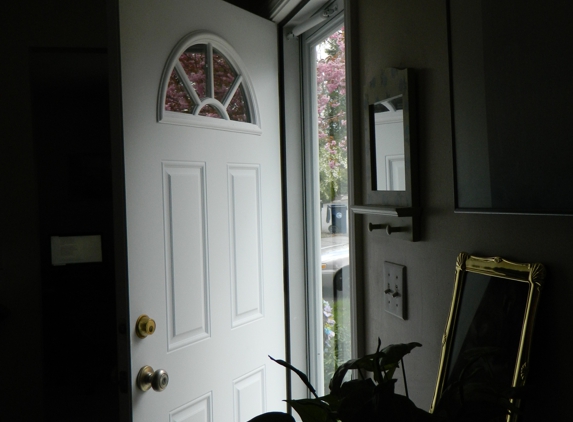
<point x="70" y="103"/>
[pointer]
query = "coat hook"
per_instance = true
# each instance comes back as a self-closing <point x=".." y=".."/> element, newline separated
<point x="388" y="227"/>
<point x="372" y="227"/>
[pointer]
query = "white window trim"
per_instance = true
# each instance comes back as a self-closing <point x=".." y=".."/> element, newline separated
<point x="185" y="119"/>
<point x="312" y="191"/>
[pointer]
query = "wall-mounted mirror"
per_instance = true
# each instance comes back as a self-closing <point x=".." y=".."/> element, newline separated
<point x="391" y="147"/>
<point x="510" y="156"/>
<point x="485" y="349"/>
<point x="389" y="167"/>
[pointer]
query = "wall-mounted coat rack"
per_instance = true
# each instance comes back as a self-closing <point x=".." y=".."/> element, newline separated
<point x="399" y="223"/>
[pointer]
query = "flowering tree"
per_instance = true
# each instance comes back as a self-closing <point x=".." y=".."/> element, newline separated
<point x="331" y="100"/>
<point x="194" y="64"/>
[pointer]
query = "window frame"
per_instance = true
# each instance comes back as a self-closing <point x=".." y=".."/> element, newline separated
<point x="186" y="119"/>
<point x="312" y="213"/>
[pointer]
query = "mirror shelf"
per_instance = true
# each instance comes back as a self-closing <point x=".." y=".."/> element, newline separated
<point x="397" y="222"/>
<point x="391" y="160"/>
<point x="385" y="211"/>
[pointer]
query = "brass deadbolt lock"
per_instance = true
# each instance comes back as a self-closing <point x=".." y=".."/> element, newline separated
<point x="144" y="326"/>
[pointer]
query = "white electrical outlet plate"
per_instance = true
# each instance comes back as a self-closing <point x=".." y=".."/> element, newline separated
<point x="394" y="289"/>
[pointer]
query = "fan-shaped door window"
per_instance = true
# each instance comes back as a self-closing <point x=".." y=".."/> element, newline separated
<point x="204" y="84"/>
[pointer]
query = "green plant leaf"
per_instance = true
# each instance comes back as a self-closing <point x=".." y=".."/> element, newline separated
<point x="382" y="364"/>
<point x="333" y="401"/>
<point x="312" y="410"/>
<point x="392" y="355"/>
<point x="301" y="374"/>
<point x="356" y="397"/>
<point x="378" y="375"/>
<point x="273" y="417"/>
<point x="340" y="373"/>
<point x="365" y="363"/>
<point x="395" y="352"/>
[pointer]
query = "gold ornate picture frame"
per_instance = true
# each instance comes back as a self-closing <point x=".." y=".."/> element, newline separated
<point x="488" y="334"/>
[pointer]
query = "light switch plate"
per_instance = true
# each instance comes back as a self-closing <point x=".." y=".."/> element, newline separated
<point x="395" y="289"/>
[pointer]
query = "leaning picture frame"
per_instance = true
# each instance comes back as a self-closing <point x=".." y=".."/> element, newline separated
<point x="488" y="335"/>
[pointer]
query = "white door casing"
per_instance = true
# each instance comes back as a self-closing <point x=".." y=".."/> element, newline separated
<point x="203" y="224"/>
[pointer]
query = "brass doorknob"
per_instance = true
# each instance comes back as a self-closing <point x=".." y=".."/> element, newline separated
<point x="147" y="378"/>
<point x="144" y="326"/>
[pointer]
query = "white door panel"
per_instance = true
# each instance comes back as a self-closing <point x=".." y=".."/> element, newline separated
<point x="204" y="225"/>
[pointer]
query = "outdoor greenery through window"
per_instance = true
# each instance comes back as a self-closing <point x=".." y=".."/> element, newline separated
<point x="333" y="175"/>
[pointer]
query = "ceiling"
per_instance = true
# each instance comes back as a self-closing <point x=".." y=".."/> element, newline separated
<point x="262" y="7"/>
<point x="280" y="10"/>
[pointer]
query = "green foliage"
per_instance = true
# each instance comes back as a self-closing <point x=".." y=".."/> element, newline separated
<point x="382" y="364"/>
<point x="359" y="400"/>
<point x="339" y="347"/>
<point x="475" y="396"/>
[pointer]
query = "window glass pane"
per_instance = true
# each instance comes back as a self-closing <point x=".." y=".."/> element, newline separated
<point x="177" y="98"/>
<point x="210" y="111"/>
<point x="207" y="80"/>
<point x="333" y="201"/>
<point x="237" y="108"/>
<point x="224" y="75"/>
<point x="193" y="62"/>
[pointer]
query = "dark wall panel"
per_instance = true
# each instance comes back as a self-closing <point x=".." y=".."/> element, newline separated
<point x="409" y="33"/>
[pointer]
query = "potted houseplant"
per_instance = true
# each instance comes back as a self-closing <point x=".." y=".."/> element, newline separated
<point x="369" y="399"/>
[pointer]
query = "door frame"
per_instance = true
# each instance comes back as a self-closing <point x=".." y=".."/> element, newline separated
<point x="119" y="215"/>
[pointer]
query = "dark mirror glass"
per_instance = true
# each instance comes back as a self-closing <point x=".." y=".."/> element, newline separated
<point x="511" y="106"/>
<point x="487" y="341"/>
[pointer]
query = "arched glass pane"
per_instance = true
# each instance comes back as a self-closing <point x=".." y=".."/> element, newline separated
<point x="224" y="75"/>
<point x="210" y="111"/>
<point x="193" y="62"/>
<point x="237" y="108"/>
<point x="206" y="82"/>
<point x="177" y="98"/>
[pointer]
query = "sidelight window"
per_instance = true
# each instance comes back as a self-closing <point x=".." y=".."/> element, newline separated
<point x="327" y="200"/>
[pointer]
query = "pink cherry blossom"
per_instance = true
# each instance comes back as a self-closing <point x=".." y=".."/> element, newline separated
<point x="331" y="109"/>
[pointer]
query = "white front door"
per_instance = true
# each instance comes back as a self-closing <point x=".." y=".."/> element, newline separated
<point x="203" y="220"/>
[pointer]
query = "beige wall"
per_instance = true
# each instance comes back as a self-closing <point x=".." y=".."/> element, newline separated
<point x="413" y="34"/>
